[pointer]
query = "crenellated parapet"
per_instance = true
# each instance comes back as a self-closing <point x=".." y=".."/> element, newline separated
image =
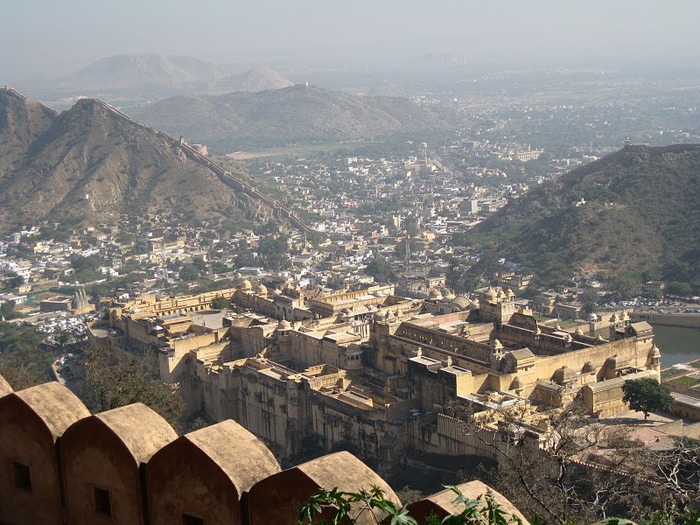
<point x="61" y="465"/>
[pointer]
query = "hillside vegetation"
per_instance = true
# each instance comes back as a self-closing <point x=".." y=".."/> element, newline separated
<point x="633" y="214"/>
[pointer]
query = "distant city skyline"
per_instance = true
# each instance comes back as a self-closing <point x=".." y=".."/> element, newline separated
<point x="44" y="38"/>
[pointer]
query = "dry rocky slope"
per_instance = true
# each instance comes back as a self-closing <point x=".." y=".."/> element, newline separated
<point x="91" y="162"/>
<point x="634" y="212"/>
<point x="295" y="115"/>
<point x="257" y="78"/>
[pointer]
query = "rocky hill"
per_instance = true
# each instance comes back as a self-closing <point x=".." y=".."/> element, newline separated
<point x="91" y="162"/>
<point x="132" y="81"/>
<point x="135" y="72"/>
<point x="295" y="115"/>
<point x="258" y="78"/>
<point x="22" y="121"/>
<point x="633" y="213"/>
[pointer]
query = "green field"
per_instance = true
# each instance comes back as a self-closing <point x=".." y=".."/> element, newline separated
<point x="687" y="382"/>
<point x="671" y="372"/>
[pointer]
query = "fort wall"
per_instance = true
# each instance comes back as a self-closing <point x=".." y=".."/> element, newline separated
<point x="127" y="466"/>
<point x="688" y="320"/>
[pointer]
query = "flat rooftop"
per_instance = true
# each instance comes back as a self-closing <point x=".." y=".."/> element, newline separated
<point x="686" y="400"/>
<point x="342" y="302"/>
<point x="210" y="320"/>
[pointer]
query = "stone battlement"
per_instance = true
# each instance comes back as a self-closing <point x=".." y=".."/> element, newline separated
<point x="62" y="465"/>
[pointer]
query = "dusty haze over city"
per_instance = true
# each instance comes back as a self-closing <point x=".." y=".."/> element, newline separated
<point x="44" y="39"/>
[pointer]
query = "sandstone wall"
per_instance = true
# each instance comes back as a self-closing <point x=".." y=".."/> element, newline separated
<point x="126" y="466"/>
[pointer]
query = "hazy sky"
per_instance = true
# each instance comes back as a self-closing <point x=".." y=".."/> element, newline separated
<point x="57" y="37"/>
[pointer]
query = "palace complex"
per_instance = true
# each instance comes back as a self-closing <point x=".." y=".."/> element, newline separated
<point x="378" y="372"/>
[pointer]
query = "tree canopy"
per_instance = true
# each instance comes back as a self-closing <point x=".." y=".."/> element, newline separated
<point x="273" y="253"/>
<point x="189" y="272"/>
<point x="219" y="303"/>
<point x="23" y="360"/>
<point x="380" y="269"/>
<point x="336" y="507"/>
<point x="80" y="264"/>
<point x="646" y="395"/>
<point x="112" y="384"/>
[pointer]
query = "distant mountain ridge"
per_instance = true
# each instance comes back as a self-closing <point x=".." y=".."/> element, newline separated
<point x="152" y="74"/>
<point x="257" y="78"/>
<point x="298" y="114"/>
<point x="140" y="71"/>
<point x="634" y="212"/>
<point x="92" y="162"/>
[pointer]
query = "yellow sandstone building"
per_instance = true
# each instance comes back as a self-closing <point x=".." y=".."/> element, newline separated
<point x="373" y="371"/>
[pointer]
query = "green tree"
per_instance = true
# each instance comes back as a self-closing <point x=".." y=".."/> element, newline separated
<point x="219" y="303"/>
<point x="23" y="360"/>
<point x="7" y="311"/>
<point x="589" y="299"/>
<point x="380" y="269"/>
<point x="539" y="302"/>
<point x="681" y="289"/>
<point x="460" y="239"/>
<point x="14" y="282"/>
<point x="62" y="338"/>
<point x="245" y="258"/>
<point x="189" y="272"/>
<point x="199" y="263"/>
<point x="273" y="253"/>
<point x="646" y="395"/>
<point x="268" y="227"/>
<point x="219" y="267"/>
<point x="335" y="507"/>
<point x="81" y="264"/>
<point x="624" y="286"/>
<point x="411" y="226"/>
<point x="111" y="384"/>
